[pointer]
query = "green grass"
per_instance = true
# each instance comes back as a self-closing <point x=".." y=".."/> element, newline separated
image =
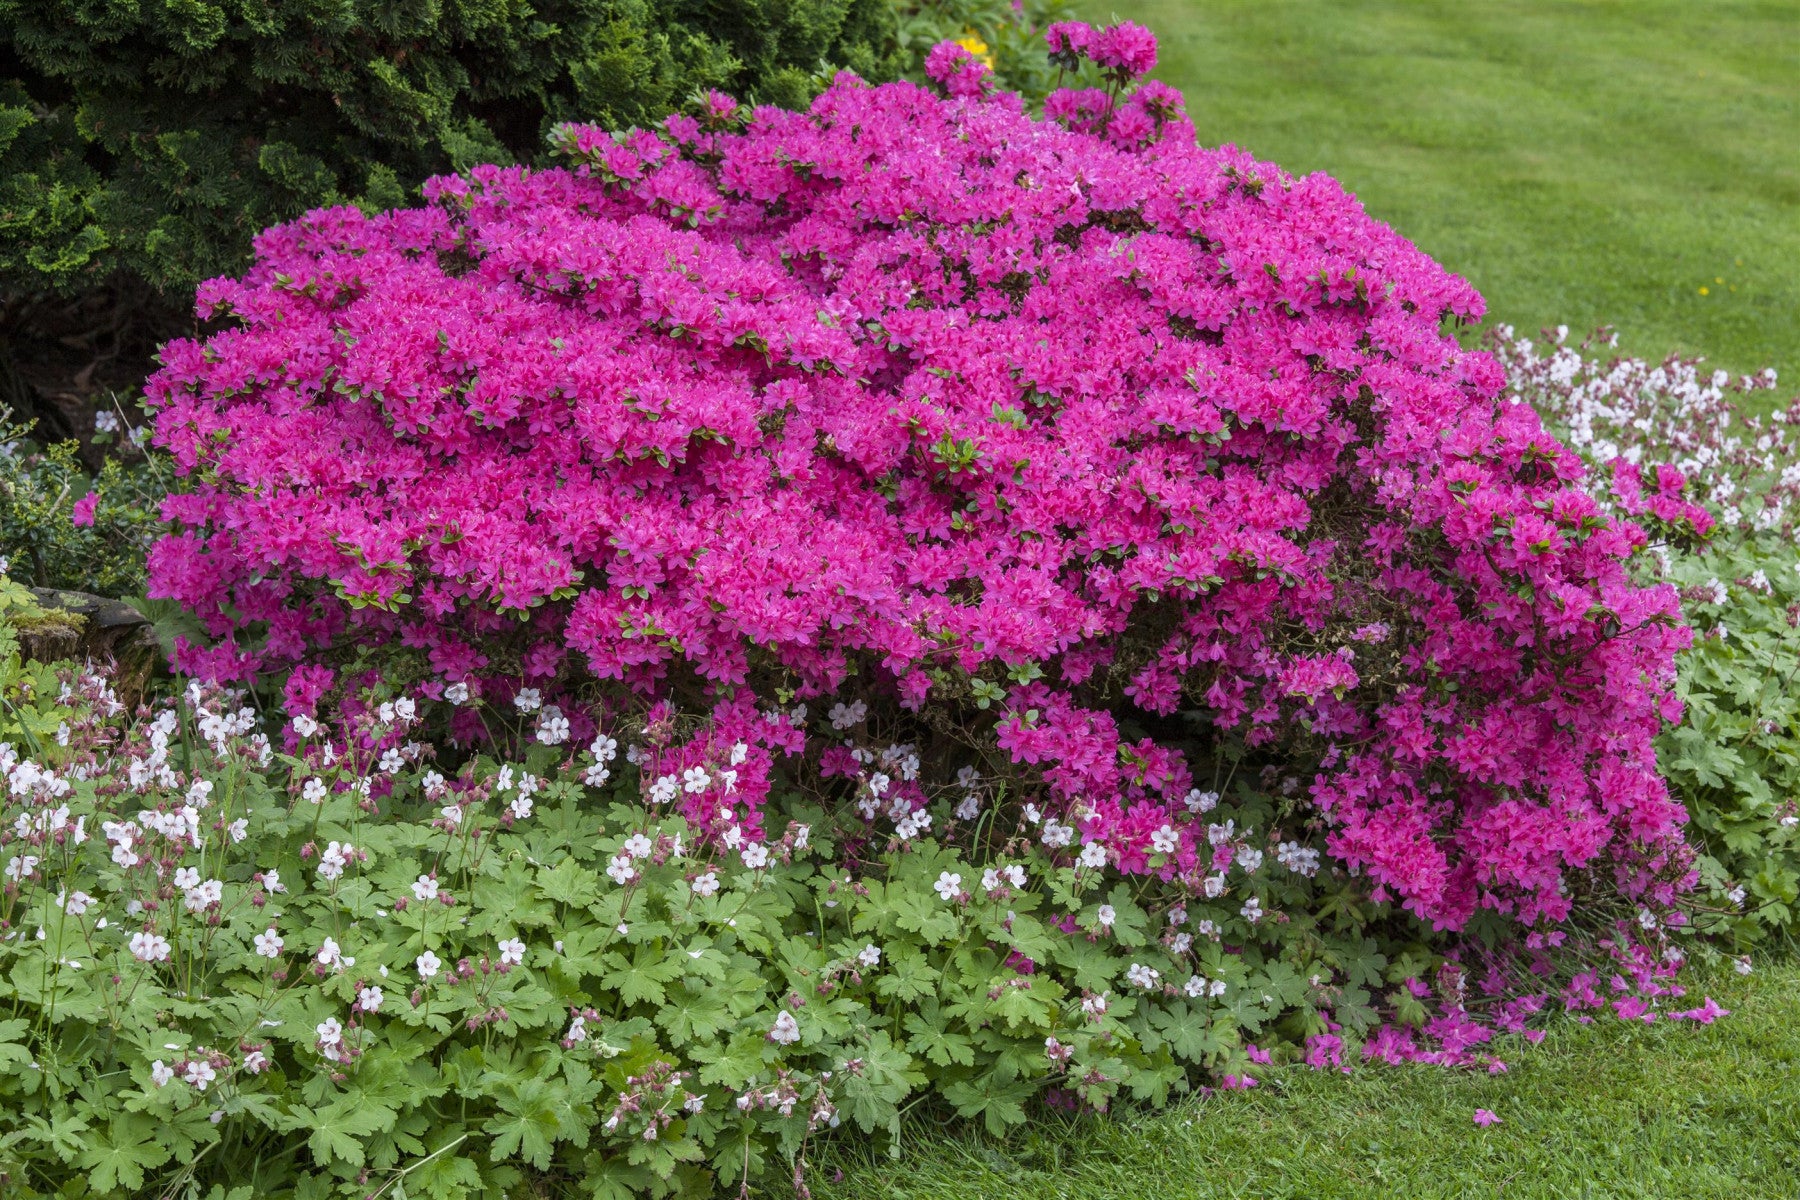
<point x="1670" y="1110"/>
<point x="1580" y="163"/>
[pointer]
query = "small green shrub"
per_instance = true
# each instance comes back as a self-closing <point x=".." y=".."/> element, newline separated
<point x="41" y="488"/>
<point x="31" y="702"/>
<point x="157" y="139"/>
<point x="1007" y="37"/>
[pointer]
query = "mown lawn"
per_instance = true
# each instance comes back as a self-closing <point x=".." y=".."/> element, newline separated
<point x="1579" y="162"/>
<point x="1669" y="1110"/>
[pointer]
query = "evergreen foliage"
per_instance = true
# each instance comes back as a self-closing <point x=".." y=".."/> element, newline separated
<point x="155" y="138"/>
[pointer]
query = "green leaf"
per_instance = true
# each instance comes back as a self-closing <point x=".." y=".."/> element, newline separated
<point x="1188" y="1032"/>
<point x="568" y="883"/>
<point x="1000" y="1105"/>
<point x="446" y="1177"/>
<point x="692" y="1012"/>
<point x="909" y="975"/>
<point x="640" y="980"/>
<point x="338" y="1128"/>
<point x="873" y="1082"/>
<point x="530" y="1121"/>
<point x="930" y="1037"/>
<point x="119" y="1158"/>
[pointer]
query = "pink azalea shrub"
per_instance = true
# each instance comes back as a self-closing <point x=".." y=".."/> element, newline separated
<point x="1036" y="432"/>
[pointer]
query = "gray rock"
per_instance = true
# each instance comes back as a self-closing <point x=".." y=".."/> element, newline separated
<point x="83" y="626"/>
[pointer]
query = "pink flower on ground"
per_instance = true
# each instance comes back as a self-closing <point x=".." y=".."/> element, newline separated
<point x="1706" y="1014"/>
<point x="1485" y="1118"/>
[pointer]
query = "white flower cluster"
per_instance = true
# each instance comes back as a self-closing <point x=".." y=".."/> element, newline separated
<point x="1302" y="860"/>
<point x="1673" y="411"/>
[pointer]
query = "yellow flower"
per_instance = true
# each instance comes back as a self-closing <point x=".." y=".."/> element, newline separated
<point x="1703" y="291"/>
<point x="971" y="41"/>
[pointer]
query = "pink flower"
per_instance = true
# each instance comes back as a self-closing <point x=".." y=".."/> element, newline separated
<point x="1485" y="1118"/>
<point x="1128" y="48"/>
<point x="1706" y="1014"/>
<point x="958" y="70"/>
<point x="83" y="512"/>
<point x="1069" y="42"/>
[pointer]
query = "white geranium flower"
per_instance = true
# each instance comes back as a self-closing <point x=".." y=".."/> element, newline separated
<point x="786" y="1030"/>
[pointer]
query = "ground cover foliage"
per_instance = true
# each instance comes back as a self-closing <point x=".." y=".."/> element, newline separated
<point x="100" y="548"/>
<point x="357" y="974"/>
<point x="639" y="859"/>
